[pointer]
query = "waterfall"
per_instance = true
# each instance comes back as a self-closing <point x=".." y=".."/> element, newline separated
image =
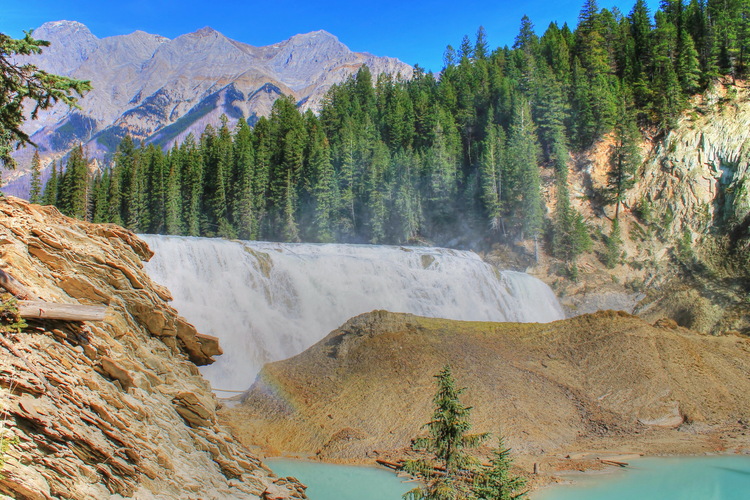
<point x="270" y="301"/>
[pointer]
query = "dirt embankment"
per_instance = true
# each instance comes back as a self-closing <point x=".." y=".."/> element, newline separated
<point x="606" y="381"/>
<point x="113" y="408"/>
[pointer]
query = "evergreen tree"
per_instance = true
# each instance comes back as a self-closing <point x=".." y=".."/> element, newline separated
<point x="445" y="446"/>
<point x="613" y="246"/>
<point x="324" y="190"/>
<point x="594" y="93"/>
<point x="244" y="165"/>
<point x="35" y="192"/>
<point x="523" y="155"/>
<point x="624" y="157"/>
<point x="22" y="83"/>
<point x="99" y="198"/>
<point x="290" y="231"/>
<point x="192" y="185"/>
<point x="114" y="197"/>
<point x="496" y="481"/>
<point x="50" y="189"/>
<point x="173" y="202"/>
<point x="668" y="99"/>
<point x="490" y="175"/>
<point x="74" y="184"/>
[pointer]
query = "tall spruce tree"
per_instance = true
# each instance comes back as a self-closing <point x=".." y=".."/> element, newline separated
<point x="35" y="191"/>
<point x="243" y="209"/>
<point x="624" y="157"/>
<point x="445" y="447"/>
<point x="50" y="189"/>
<point x="74" y="185"/>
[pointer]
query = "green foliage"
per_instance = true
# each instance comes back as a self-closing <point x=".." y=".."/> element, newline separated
<point x="74" y="186"/>
<point x="613" y="246"/>
<point x="35" y="192"/>
<point x="396" y="161"/>
<point x="497" y="482"/>
<point x="445" y="446"/>
<point x="10" y="320"/>
<point x="26" y="82"/>
<point x="624" y="157"/>
<point x="684" y="247"/>
<point x="447" y="470"/>
<point x="50" y="189"/>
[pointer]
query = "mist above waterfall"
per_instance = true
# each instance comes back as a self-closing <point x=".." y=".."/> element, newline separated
<point x="270" y="301"/>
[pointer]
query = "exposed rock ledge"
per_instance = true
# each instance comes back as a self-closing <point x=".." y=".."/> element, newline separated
<point x="120" y="409"/>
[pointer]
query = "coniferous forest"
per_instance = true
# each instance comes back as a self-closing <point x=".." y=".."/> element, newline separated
<point x="426" y="159"/>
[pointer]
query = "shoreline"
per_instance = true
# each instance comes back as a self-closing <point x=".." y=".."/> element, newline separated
<point x="564" y="468"/>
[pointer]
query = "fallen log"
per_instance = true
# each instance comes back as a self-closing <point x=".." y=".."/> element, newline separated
<point x="390" y="465"/>
<point x="613" y="462"/>
<point x="38" y="309"/>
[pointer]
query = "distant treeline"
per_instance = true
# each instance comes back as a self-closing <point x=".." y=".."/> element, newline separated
<point x="398" y="161"/>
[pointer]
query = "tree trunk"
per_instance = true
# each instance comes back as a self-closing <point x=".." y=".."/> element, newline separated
<point x="38" y="309"/>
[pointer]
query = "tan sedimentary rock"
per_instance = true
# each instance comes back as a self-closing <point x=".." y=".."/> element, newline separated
<point x="113" y="407"/>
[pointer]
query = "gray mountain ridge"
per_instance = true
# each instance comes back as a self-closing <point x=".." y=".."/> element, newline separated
<point x="159" y="90"/>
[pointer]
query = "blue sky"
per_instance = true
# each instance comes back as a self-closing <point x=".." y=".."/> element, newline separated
<point x="414" y="31"/>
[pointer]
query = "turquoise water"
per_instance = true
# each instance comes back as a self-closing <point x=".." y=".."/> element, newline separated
<point x="342" y="482"/>
<point x="704" y="478"/>
<point x="700" y="478"/>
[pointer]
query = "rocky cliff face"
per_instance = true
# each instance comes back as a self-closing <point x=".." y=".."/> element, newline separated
<point x="698" y="177"/>
<point x="160" y="90"/>
<point x="596" y="381"/>
<point x="116" y="408"/>
<point x="685" y="249"/>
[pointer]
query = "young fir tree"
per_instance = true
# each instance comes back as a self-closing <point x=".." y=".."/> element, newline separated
<point x="35" y="191"/>
<point x="496" y="481"/>
<point x="445" y="447"/>
<point x="613" y="246"/>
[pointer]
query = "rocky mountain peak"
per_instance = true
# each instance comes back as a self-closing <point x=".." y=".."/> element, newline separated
<point x="159" y="90"/>
<point x="205" y="31"/>
<point x="64" y="26"/>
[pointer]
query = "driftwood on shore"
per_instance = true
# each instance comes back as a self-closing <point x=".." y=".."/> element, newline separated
<point x="390" y="465"/>
<point x="38" y="309"/>
<point x="613" y="462"/>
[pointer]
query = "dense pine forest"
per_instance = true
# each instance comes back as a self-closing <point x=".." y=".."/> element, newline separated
<point x="433" y="157"/>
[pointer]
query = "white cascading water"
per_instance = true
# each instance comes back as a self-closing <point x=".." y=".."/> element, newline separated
<point x="270" y="301"/>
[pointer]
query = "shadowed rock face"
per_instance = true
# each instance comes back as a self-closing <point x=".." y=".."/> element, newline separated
<point x="144" y="83"/>
<point x="118" y="407"/>
<point x="367" y="388"/>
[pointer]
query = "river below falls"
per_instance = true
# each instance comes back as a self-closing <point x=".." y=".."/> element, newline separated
<point x="691" y="478"/>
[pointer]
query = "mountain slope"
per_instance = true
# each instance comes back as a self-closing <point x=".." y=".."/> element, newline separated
<point x="367" y="388"/>
<point x="143" y="83"/>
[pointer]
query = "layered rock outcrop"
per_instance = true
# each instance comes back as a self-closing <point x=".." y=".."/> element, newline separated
<point x="116" y="408"/>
